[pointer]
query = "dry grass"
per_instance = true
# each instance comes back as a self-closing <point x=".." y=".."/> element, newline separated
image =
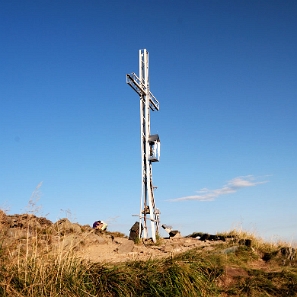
<point x="36" y="266"/>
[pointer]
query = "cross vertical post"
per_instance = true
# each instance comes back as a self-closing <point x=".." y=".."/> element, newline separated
<point x="150" y="146"/>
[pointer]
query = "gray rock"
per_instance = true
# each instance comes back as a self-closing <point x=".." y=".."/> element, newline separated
<point x="126" y="247"/>
<point x="230" y="250"/>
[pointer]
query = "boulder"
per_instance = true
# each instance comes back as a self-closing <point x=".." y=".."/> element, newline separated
<point x="126" y="247"/>
<point x="134" y="231"/>
<point x="64" y="226"/>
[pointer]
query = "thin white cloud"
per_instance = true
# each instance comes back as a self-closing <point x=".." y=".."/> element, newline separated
<point x="232" y="186"/>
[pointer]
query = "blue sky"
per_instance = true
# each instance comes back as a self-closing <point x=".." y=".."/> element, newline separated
<point x="225" y="74"/>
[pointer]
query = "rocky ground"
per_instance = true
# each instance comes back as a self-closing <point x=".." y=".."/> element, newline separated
<point x="27" y="233"/>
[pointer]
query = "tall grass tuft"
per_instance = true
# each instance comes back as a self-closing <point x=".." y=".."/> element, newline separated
<point x="62" y="274"/>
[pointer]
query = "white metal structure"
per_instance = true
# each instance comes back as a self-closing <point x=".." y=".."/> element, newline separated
<point x="150" y="145"/>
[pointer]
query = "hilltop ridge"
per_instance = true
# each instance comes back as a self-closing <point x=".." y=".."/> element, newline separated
<point x="231" y="264"/>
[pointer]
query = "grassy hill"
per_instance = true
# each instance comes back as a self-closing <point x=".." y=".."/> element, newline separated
<point x="231" y="264"/>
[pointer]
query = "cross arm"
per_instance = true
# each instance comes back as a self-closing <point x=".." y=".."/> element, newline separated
<point x="134" y="82"/>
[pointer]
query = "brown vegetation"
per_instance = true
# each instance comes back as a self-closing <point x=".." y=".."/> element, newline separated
<point x="41" y="258"/>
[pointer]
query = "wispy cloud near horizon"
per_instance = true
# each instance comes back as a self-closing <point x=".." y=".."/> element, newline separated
<point x="232" y="186"/>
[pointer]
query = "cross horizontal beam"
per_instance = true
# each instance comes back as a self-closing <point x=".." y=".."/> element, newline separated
<point x="134" y="82"/>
